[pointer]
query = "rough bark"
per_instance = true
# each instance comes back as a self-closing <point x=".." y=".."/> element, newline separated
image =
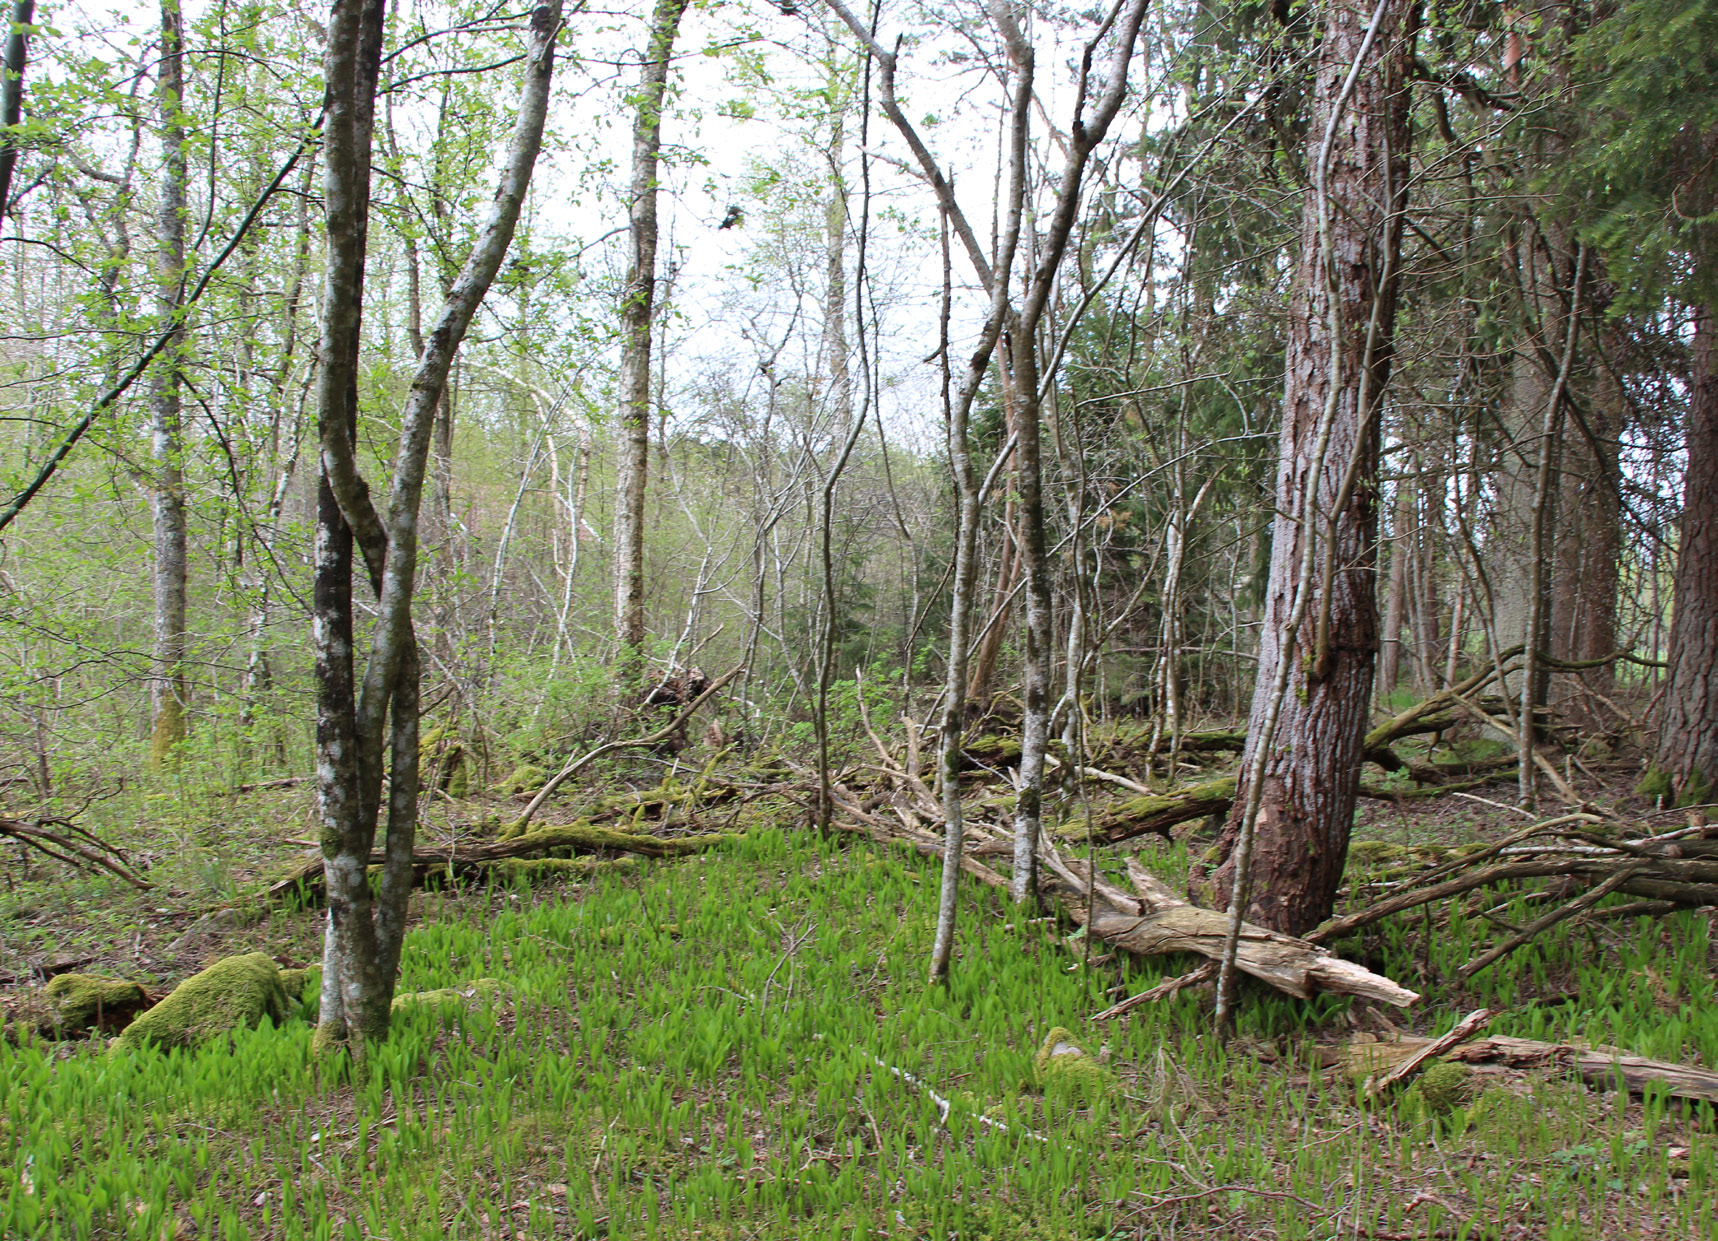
<point x="637" y="310"/>
<point x="1688" y="739"/>
<point x="168" y="689"/>
<point x="1317" y="694"/>
<point x="1589" y="543"/>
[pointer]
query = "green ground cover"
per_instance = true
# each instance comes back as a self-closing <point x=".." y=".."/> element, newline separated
<point x="740" y="1045"/>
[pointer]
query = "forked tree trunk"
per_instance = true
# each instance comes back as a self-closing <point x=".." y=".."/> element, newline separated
<point x="362" y="731"/>
<point x="1318" y="699"/>
<point x="637" y="310"/>
<point x="1688" y="740"/>
<point x="168" y="690"/>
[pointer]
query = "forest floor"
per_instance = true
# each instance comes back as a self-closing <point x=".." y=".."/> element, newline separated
<point x="740" y="1044"/>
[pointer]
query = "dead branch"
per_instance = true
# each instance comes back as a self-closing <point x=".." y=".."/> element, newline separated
<point x="1597" y="1066"/>
<point x="1162" y="991"/>
<point x="1465" y="1029"/>
<point x="77" y="847"/>
<point x="573" y="768"/>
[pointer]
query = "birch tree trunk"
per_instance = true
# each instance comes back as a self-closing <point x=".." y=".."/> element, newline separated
<point x="637" y="310"/>
<point x="168" y="689"/>
<point x="1301" y="768"/>
<point x="359" y="734"/>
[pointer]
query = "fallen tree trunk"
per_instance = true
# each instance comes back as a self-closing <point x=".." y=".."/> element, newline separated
<point x="464" y="860"/>
<point x="1156" y="921"/>
<point x="1136" y="816"/>
<point x="1597" y="1066"/>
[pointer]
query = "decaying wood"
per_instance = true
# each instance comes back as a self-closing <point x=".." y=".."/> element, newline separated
<point x="1597" y="1066"/>
<point x="1680" y="871"/>
<point x="1465" y="1029"/>
<point x="472" y="858"/>
<point x="77" y="847"/>
<point x="1153" y="923"/>
<point x="1156" y="921"/>
<point x="633" y="743"/>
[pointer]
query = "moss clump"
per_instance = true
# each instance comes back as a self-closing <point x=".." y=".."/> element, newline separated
<point x="442" y="746"/>
<point x="991" y="750"/>
<point x="234" y="993"/>
<point x="526" y="778"/>
<point x="83" y="1001"/>
<point x="293" y="983"/>
<point x="1696" y="790"/>
<point x="1441" y="1089"/>
<point x="1655" y="784"/>
<point x="1066" y="1074"/>
<point x="1374" y="852"/>
<point x="461" y="996"/>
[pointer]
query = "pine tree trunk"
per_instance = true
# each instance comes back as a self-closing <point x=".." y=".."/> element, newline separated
<point x="1311" y="771"/>
<point x="168" y="690"/>
<point x="1688" y="740"/>
<point x="638" y="309"/>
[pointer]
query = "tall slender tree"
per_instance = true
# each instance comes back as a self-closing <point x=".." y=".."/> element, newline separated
<point x="168" y="688"/>
<point x="637" y="316"/>
<point x="364" y="730"/>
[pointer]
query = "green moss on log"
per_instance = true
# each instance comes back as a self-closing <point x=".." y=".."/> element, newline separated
<point x="83" y="1002"/>
<point x="461" y="996"/>
<point x="582" y="835"/>
<point x="235" y="993"/>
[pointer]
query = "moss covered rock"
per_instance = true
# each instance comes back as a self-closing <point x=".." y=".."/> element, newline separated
<point x="1066" y="1074"/>
<point x="234" y="993"/>
<point x="84" y="1002"/>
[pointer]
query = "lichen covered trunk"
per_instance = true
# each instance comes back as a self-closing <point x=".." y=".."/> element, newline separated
<point x="637" y="311"/>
